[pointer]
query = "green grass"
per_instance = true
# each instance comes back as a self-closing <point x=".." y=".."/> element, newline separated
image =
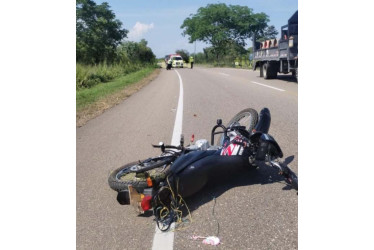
<point x="86" y="96"/>
<point x="88" y="76"/>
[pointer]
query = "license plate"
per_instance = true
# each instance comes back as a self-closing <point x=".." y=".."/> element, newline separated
<point x="136" y="199"/>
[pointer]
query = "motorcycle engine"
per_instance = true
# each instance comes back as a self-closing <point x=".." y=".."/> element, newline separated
<point x="202" y="144"/>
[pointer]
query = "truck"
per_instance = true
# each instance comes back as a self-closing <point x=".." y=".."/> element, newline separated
<point x="273" y="56"/>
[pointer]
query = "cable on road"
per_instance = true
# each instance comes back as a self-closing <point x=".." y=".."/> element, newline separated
<point x="214" y="198"/>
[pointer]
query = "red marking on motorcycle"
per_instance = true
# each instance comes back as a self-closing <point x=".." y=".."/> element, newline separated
<point x="232" y="149"/>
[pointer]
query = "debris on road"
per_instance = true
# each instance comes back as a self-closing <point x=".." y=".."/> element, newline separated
<point x="210" y="240"/>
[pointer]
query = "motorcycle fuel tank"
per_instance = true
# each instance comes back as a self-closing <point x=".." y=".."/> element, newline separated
<point x="202" y="167"/>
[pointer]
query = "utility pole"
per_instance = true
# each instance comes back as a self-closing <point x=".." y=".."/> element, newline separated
<point x="194" y="54"/>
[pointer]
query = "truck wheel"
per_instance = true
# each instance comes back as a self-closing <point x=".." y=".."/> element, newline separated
<point x="270" y="71"/>
<point x="265" y="69"/>
<point x="274" y="71"/>
<point x="261" y="69"/>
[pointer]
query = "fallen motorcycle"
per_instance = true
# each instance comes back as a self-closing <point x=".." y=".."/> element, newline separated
<point x="160" y="183"/>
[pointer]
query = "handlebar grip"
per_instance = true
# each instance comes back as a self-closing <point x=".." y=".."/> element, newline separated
<point x="166" y="146"/>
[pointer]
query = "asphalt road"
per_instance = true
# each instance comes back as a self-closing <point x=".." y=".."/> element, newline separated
<point x="252" y="210"/>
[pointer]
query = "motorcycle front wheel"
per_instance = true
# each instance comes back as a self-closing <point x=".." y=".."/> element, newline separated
<point x="122" y="177"/>
<point x="247" y="117"/>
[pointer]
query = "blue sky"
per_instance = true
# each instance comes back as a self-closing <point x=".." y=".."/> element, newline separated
<point x="159" y="21"/>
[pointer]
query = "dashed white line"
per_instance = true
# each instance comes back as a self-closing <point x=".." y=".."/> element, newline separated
<point x="165" y="240"/>
<point x="267" y="86"/>
<point x="224" y="74"/>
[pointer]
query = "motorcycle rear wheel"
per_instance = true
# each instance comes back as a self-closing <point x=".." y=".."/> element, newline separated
<point x="121" y="178"/>
<point x="247" y="117"/>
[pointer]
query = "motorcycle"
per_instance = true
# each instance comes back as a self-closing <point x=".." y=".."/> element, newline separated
<point x="168" y="65"/>
<point x="160" y="183"/>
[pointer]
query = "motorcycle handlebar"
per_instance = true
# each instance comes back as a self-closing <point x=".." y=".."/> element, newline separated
<point x="167" y="146"/>
<point x="219" y="125"/>
<point x="287" y="173"/>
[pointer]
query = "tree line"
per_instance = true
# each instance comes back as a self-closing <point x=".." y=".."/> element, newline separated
<point x="100" y="39"/>
<point x="226" y="28"/>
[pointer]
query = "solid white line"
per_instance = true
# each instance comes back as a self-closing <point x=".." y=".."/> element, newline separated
<point x="179" y="117"/>
<point x="165" y="240"/>
<point x="267" y="86"/>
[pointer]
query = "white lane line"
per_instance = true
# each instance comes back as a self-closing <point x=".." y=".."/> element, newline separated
<point x="224" y="74"/>
<point x="267" y="86"/>
<point x="179" y="117"/>
<point x="165" y="240"/>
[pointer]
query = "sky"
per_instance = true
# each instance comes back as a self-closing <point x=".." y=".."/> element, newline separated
<point x="158" y="22"/>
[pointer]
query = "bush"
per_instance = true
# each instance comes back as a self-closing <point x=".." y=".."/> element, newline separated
<point x="91" y="75"/>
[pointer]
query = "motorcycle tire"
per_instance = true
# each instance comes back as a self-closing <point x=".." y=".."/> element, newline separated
<point x="247" y="117"/>
<point x="118" y="180"/>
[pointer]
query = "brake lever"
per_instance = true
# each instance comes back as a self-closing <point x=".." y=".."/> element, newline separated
<point x="163" y="147"/>
<point x="160" y="145"/>
<point x="287" y="173"/>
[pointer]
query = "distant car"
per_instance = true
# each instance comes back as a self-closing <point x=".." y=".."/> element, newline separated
<point x="177" y="61"/>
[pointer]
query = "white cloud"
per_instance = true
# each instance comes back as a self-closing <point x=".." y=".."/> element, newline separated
<point x="139" y="30"/>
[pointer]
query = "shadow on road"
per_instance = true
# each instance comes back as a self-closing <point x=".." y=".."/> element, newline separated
<point x="287" y="78"/>
<point x="282" y="77"/>
<point x="215" y="188"/>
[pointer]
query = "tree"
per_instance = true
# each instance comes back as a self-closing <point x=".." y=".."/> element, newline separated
<point x="268" y="33"/>
<point x="222" y="25"/>
<point x="184" y="54"/>
<point x="136" y="52"/>
<point x="98" y="33"/>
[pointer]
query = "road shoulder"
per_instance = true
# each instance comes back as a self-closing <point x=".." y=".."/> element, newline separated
<point x="99" y="107"/>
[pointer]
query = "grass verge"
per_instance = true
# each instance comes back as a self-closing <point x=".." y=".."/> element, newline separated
<point x="94" y="101"/>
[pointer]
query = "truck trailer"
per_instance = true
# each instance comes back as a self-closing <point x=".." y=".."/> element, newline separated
<point x="273" y="56"/>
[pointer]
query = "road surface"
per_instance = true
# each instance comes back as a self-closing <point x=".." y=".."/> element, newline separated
<point x="252" y="210"/>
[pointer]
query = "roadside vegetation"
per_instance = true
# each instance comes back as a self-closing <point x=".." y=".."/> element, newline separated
<point x="208" y="59"/>
<point x="88" y="96"/>
<point x="105" y="62"/>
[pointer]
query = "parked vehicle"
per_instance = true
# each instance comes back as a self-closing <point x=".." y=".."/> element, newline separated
<point x="160" y="183"/>
<point x="273" y="56"/>
<point x="177" y="60"/>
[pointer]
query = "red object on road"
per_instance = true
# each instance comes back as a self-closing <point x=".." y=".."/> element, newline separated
<point x="192" y="138"/>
